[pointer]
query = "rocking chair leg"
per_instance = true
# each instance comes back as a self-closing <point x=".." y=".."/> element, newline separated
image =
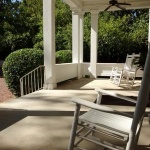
<point x="74" y="128"/>
<point x="137" y="136"/>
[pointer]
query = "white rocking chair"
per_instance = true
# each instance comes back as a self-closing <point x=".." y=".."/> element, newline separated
<point x="127" y="74"/>
<point x="101" y="120"/>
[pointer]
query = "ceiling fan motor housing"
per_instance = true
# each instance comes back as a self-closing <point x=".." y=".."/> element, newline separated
<point x="113" y="2"/>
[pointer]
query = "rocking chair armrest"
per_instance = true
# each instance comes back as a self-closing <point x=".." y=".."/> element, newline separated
<point x="115" y="95"/>
<point x="120" y="69"/>
<point x="117" y="68"/>
<point x="98" y="107"/>
<point x="129" y="71"/>
<point x="113" y="67"/>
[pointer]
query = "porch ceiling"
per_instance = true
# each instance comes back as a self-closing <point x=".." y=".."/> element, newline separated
<point x="100" y="5"/>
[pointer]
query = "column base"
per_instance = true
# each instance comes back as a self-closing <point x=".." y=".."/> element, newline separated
<point x="93" y="76"/>
<point x="49" y="86"/>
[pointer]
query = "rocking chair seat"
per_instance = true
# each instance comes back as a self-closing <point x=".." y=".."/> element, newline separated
<point x="118" y="125"/>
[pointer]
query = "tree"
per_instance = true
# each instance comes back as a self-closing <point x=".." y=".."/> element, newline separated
<point x="19" y="24"/>
<point x="63" y="26"/>
<point x="121" y="34"/>
<point x="8" y="20"/>
<point x="31" y="11"/>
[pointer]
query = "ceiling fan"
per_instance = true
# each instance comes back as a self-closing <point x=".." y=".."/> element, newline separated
<point x="117" y="4"/>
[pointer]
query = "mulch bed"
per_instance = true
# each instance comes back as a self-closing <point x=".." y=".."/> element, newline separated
<point x="5" y="94"/>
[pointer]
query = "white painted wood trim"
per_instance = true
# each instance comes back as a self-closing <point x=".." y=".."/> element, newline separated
<point x="93" y="51"/>
<point x="49" y="42"/>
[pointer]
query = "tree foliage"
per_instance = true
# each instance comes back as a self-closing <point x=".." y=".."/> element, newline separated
<point x="121" y="35"/>
<point x="120" y="32"/>
<point x="8" y="26"/>
<point x="63" y="26"/>
<point x="19" y="24"/>
<point x="64" y="56"/>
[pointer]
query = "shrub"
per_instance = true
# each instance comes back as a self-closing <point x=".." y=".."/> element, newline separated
<point x="19" y="63"/>
<point x="64" y="56"/>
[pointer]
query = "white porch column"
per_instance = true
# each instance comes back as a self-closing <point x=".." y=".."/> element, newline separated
<point x="77" y="41"/>
<point x="49" y="43"/>
<point x="81" y="37"/>
<point x="94" y="36"/>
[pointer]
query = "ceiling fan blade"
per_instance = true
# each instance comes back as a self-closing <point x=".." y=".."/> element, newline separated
<point x="123" y="4"/>
<point x="120" y="7"/>
<point x="107" y="7"/>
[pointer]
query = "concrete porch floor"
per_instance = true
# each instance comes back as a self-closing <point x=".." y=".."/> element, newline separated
<point x="42" y="120"/>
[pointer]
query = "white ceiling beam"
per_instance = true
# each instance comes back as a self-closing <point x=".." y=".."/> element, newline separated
<point x="74" y="4"/>
<point x="70" y="3"/>
<point x="78" y="3"/>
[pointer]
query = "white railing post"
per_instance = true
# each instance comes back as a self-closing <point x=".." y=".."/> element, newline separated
<point x="21" y="87"/>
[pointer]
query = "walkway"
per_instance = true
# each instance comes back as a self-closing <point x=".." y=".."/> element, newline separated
<point x="42" y="120"/>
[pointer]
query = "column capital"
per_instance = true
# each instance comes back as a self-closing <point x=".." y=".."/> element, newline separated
<point x="96" y="12"/>
<point x="77" y="12"/>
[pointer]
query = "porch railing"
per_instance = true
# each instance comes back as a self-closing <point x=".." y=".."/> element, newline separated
<point x="32" y="81"/>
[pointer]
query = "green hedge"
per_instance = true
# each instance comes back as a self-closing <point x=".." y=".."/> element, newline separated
<point x="17" y="64"/>
<point x="64" y="56"/>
